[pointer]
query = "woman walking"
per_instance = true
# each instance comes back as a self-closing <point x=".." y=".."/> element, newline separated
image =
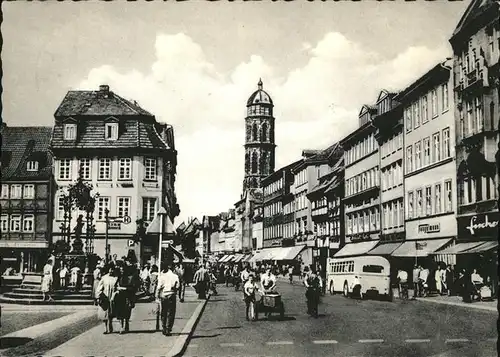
<point x="97" y="280"/>
<point x="47" y="280"/>
<point x="124" y="299"/>
<point x="105" y="296"/>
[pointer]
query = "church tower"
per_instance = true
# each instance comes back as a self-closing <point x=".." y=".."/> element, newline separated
<point x="259" y="139"/>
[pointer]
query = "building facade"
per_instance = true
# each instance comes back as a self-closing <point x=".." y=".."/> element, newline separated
<point x="429" y="170"/>
<point x="362" y="180"/>
<point x="327" y="211"/>
<point x="259" y="138"/>
<point x="26" y="198"/>
<point x="476" y="52"/>
<point x="127" y="157"/>
<point x="390" y="137"/>
<point x="476" y="48"/>
<point x="276" y="189"/>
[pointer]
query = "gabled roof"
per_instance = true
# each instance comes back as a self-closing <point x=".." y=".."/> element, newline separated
<point x="367" y="108"/>
<point x="21" y="144"/>
<point x="101" y="102"/>
<point x="471" y="12"/>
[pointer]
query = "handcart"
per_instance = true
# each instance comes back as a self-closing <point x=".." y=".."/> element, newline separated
<point x="269" y="303"/>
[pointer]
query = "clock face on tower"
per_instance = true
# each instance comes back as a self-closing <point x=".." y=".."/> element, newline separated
<point x="259" y="138"/>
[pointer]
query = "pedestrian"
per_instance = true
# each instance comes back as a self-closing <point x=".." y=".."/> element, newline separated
<point x="97" y="278"/>
<point x="437" y="279"/>
<point x="450" y="284"/>
<point x="123" y="299"/>
<point x="63" y="275"/>
<point x="105" y="293"/>
<point x="180" y="271"/>
<point x="313" y="284"/>
<point x="153" y="281"/>
<point x="47" y="280"/>
<point x="145" y="280"/>
<point x="75" y="275"/>
<point x="201" y="282"/>
<point x="168" y="283"/>
<point x="249" y="293"/>
<point x="416" y="285"/>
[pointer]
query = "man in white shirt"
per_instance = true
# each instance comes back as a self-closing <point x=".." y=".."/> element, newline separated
<point x="249" y="290"/>
<point x="402" y="280"/>
<point x="168" y="284"/>
<point x="268" y="281"/>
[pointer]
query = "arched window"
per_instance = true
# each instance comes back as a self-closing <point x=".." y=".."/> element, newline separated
<point x="263" y="135"/>
<point x="492" y="115"/>
<point x="254" y="162"/>
<point x="247" y="162"/>
<point x="254" y="132"/>
<point x="263" y="162"/>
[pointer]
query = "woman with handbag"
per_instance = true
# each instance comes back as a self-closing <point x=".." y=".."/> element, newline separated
<point x="105" y="296"/>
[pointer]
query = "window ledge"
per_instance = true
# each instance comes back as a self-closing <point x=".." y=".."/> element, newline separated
<point x="429" y="167"/>
<point x="430" y="216"/>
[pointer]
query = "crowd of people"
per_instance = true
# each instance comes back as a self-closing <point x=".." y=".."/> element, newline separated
<point x="444" y="280"/>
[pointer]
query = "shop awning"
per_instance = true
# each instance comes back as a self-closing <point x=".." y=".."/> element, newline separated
<point x="352" y="249"/>
<point x="419" y="248"/>
<point x="247" y="257"/>
<point x="459" y="248"/>
<point x="238" y="258"/>
<point x="221" y="259"/>
<point x="292" y="252"/>
<point x="226" y="259"/>
<point x="486" y="246"/>
<point x="385" y="248"/>
<point x="256" y="257"/>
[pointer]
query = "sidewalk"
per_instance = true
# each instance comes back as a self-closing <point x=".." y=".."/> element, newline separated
<point x="143" y="339"/>
<point x="457" y="301"/>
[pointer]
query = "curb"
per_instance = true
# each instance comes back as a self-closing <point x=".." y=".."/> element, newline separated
<point x="183" y="340"/>
<point x="469" y="306"/>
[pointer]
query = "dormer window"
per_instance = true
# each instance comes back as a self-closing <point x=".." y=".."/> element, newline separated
<point x="32" y="166"/>
<point x="111" y="131"/>
<point x="69" y="131"/>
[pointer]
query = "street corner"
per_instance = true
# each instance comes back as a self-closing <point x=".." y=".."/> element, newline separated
<point x="183" y="339"/>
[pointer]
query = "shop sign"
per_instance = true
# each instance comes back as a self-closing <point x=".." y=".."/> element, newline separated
<point x="479" y="225"/>
<point x="429" y="228"/>
<point x="474" y="224"/>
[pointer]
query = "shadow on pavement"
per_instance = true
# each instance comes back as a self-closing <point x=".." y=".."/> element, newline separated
<point x="228" y="327"/>
<point x="216" y="300"/>
<point x="277" y="318"/>
<point x="206" y="336"/>
<point x="9" y="342"/>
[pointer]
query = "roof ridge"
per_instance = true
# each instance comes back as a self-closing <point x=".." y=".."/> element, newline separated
<point x="138" y="133"/>
<point x="127" y="103"/>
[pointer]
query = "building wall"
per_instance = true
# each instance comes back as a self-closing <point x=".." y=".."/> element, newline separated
<point x="136" y="189"/>
<point x="430" y="183"/>
<point x="477" y="98"/>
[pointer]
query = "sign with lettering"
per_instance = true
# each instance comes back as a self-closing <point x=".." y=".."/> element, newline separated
<point x="429" y="228"/>
<point x="114" y="225"/>
<point x="481" y="225"/>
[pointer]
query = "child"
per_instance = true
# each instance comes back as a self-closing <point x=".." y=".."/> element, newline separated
<point x="63" y="273"/>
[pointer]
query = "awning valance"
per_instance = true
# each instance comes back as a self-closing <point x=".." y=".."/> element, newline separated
<point x="486" y="246"/>
<point x="277" y="253"/>
<point x="292" y="252"/>
<point x="353" y="249"/>
<point x="419" y="248"/>
<point x="459" y="248"/>
<point x="385" y="248"/>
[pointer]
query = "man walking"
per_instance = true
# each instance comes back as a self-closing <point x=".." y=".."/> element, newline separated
<point x="416" y="286"/>
<point x="182" y="282"/>
<point x="168" y="283"/>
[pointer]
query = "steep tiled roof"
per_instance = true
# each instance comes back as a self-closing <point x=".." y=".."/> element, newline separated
<point x="102" y="102"/>
<point x="90" y="110"/>
<point x="23" y="144"/>
<point x="133" y="134"/>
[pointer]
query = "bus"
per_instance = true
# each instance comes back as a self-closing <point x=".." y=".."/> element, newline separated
<point x="359" y="276"/>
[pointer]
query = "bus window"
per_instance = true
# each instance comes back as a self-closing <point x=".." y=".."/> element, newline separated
<point x="351" y="267"/>
<point x="373" y="269"/>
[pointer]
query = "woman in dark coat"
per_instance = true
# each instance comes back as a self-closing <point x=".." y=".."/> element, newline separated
<point x="124" y="299"/>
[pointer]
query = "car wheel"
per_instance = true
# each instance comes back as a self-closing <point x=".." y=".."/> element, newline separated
<point x="331" y="288"/>
<point x="346" y="290"/>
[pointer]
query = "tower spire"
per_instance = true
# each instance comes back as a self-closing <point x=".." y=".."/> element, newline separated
<point x="260" y="83"/>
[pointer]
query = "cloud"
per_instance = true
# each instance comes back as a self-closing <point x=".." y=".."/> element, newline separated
<point x="315" y="105"/>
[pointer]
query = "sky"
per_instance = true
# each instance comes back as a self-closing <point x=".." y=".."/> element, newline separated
<point x="193" y="64"/>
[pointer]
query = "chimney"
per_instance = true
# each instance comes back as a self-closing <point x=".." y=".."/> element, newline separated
<point x="104" y="88"/>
